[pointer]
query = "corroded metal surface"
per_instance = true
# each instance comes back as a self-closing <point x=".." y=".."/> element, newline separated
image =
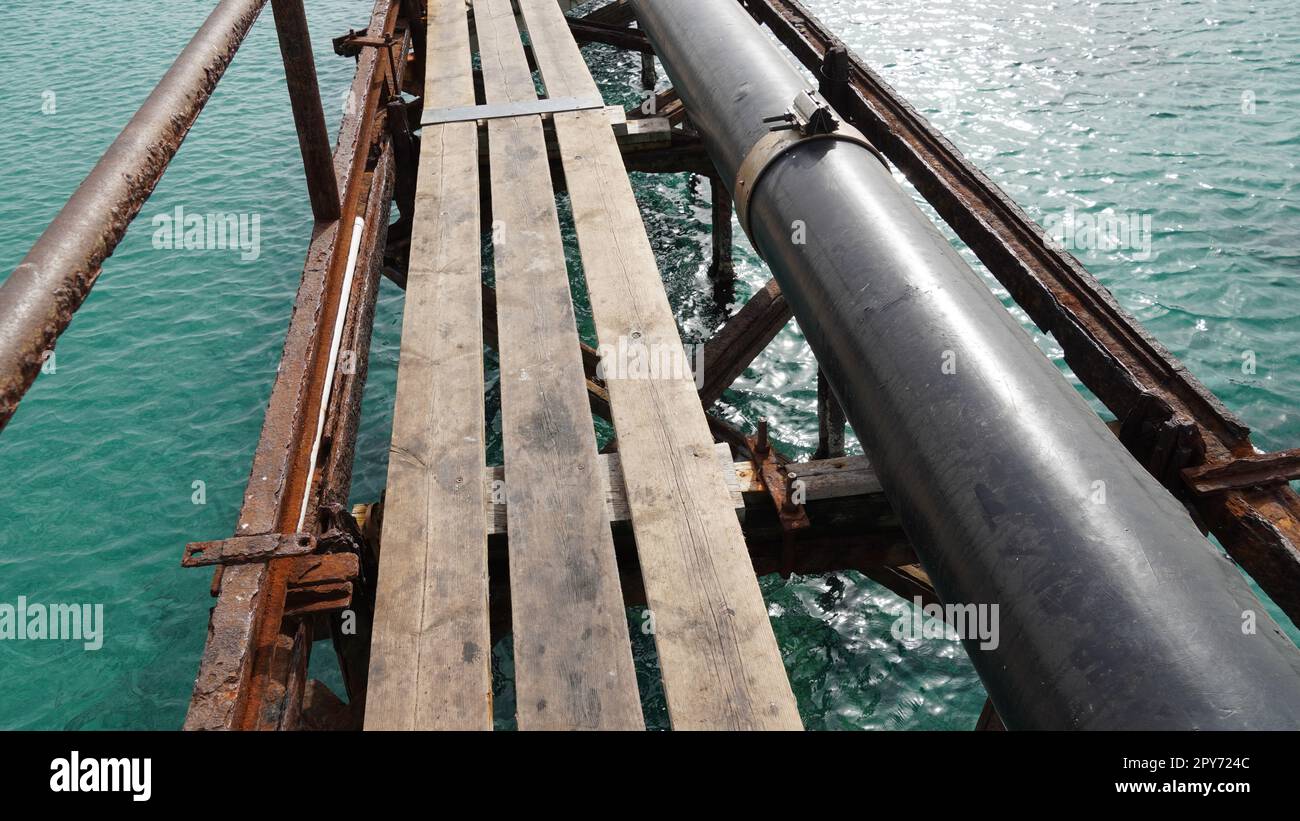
<point x="38" y="300"/>
<point x="239" y="684"/>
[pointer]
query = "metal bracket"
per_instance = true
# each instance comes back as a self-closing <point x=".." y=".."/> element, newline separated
<point x="350" y="44"/>
<point x="782" y="486"/>
<point x="805" y="123"/>
<point x="496" y="111"/>
<point x="248" y="549"/>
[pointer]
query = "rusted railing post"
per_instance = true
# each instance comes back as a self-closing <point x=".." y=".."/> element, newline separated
<point x="47" y="287"/>
<point x="308" y="116"/>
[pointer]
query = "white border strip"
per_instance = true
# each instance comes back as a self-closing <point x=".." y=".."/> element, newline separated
<point x="353" y="253"/>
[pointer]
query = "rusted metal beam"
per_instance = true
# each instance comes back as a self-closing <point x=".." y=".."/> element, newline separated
<point x="247" y="549"/>
<point x="236" y="686"/>
<point x="308" y="116"/>
<point x="1178" y="422"/>
<point x="38" y="299"/>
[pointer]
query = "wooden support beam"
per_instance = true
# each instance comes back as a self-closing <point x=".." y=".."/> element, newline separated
<point x="734" y="347"/>
<point x="1251" y="470"/>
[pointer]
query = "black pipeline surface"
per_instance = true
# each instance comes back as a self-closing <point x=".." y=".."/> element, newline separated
<point x="1113" y="611"/>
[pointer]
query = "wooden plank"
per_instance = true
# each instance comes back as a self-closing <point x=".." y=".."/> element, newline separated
<point x="615" y="491"/>
<point x="721" y="665"/>
<point x="431" y="651"/>
<point x="573" y="658"/>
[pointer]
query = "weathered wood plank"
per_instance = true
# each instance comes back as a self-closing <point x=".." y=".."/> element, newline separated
<point x="721" y="665"/>
<point x="431" y="651"/>
<point x="573" y="659"/>
<point x="615" y="491"/>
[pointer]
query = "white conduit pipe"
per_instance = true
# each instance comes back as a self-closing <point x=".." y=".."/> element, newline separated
<point x="353" y="252"/>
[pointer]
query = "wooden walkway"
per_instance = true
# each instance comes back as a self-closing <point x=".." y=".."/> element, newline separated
<point x="430" y="657"/>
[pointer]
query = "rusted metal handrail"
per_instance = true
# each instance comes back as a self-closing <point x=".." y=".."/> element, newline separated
<point x="38" y="300"/>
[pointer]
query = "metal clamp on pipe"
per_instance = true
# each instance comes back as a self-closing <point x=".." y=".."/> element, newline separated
<point x="808" y="119"/>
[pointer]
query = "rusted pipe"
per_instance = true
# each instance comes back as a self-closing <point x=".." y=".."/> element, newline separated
<point x="38" y="299"/>
<point x="308" y="116"/>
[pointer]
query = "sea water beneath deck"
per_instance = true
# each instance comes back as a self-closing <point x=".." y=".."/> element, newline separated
<point x="1175" y="121"/>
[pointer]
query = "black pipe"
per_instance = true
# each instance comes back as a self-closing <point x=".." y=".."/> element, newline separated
<point x="1113" y="611"/>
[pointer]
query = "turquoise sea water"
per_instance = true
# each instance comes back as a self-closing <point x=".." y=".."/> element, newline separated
<point x="1183" y="112"/>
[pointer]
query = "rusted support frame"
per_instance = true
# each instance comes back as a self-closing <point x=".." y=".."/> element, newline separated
<point x="406" y="156"/>
<point x="308" y="116"/>
<point x="235" y="686"/>
<point x="38" y="299"/>
<point x="1174" y="420"/>
<point x="352" y="647"/>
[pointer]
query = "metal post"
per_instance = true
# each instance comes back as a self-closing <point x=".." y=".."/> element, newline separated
<point x="722" y="267"/>
<point x="649" y="77"/>
<point x="830" y="421"/>
<point x="304" y="97"/>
